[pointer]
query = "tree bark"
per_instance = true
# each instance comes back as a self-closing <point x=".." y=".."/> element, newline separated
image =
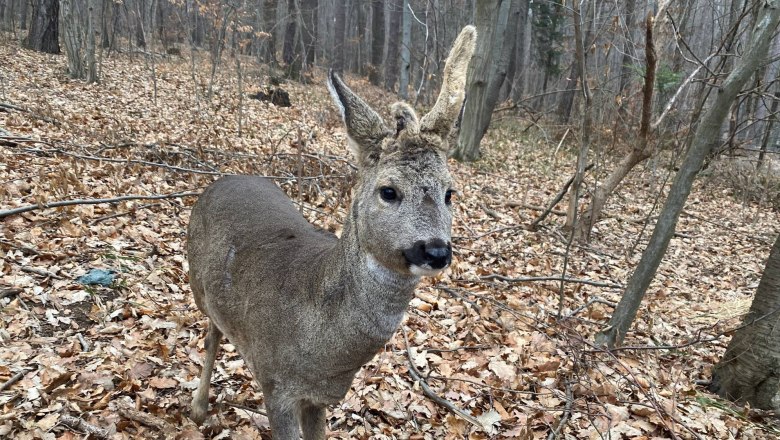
<point x="308" y="32"/>
<point x="72" y="38"/>
<point x="44" y="28"/>
<point x="290" y="54"/>
<point x="486" y="74"/>
<point x="377" y="41"/>
<point x="705" y="138"/>
<point x="587" y="125"/>
<point x="393" y="44"/>
<point x="628" y="51"/>
<point x="406" y="55"/>
<point x="640" y="151"/>
<point x="750" y="370"/>
<point x="340" y="20"/>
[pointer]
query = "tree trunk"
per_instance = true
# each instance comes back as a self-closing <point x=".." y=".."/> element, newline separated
<point x="486" y="74"/>
<point x="406" y="55"/>
<point x="340" y="19"/>
<point x="587" y="124"/>
<point x="638" y="154"/>
<point x="23" y="15"/>
<point x="704" y="139"/>
<point x="290" y="55"/>
<point x="377" y="41"/>
<point x="308" y="32"/>
<point x="628" y="51"/>
<point x="72" y="38"/>
<point x="523" y="54"/>
<point x="44" y="28"/>
<point x="92" y="75"/>
<point x="393" y="44"/>
<point x="750" y="370"/>
<point x="512" y="33"/>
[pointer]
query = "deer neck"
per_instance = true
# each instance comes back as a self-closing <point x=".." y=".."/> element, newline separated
<point x="371" y="297"/>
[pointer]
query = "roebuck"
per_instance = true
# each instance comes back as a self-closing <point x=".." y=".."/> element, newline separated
<point x="305" y="309"/>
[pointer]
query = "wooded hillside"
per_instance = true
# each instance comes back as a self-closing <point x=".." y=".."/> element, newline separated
<point x="561" y="184"/>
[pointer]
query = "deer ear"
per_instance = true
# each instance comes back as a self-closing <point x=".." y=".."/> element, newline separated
<point x="453" y="86"/>
<point x="365" y="129"/>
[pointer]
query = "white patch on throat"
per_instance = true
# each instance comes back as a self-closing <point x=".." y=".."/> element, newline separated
<point x="422" y="271"/>
<point x="382" y="273"/>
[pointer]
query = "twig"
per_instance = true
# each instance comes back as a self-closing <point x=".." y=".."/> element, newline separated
<point x="38" y="270"/>
<point x="84" y="343"/>
<point x="245" y="408"/>
<point x="558" y="197"/>
<point x="566" y="413"/>
<point x="514" y="204"/>
<point x="564" y="279"/>
<point x="15" y="378"/>
<point x="145" y="419"/>
<point x="120" y="214"/>
<point x="29" y="208"/>
<point x="432" y="395"/>
<point x="24" y="110"/>
<point x="80" y="425"/>
<point x="9" y="292"/>
<point x="595" y="299"/>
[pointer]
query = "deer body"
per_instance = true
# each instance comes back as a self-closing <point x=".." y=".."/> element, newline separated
<point x="306" y="309"/>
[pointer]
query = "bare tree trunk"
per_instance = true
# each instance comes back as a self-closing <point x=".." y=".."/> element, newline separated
<point x="486" y="74"/>
<point x="750" y="370"/>
<point x="768" y="130"/>
<point x="512" y="33"/>
<point x="393" y="44"/>
<point x="92" y="74"/>
<point x="406" y="55"/>
<point x="640" y="151"/>
<point x="268" y="46"/>
<point x="587" y="124"/>
<point x="340" y="19"/>
<point x="628" y="51"/>
<point x="377" y="41"/>
<point x="308" y="31"/>
<point x="705" y="138"/>
<point x="44" y="28"/>
<point x="290" y="55"/>
<point x="72" y="38"/>
<point x="23" y="15"/>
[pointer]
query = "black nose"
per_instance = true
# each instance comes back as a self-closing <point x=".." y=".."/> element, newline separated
<point x="435" y="254"/>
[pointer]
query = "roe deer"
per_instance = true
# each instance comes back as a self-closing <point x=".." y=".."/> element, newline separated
<point x="306" y="309"/>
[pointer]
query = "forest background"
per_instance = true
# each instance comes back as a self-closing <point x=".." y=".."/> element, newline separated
<point x="617" y="261"/>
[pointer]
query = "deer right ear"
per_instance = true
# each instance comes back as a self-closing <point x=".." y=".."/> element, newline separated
<point x="365" y="129"/>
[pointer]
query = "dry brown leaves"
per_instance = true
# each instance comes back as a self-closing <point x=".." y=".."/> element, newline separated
<point x="126" y="358"/>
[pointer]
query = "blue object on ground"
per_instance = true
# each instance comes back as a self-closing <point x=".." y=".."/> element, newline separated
<point x="97" y="276"/>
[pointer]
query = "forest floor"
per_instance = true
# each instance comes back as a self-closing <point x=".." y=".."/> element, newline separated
<point x="124" y="359"/>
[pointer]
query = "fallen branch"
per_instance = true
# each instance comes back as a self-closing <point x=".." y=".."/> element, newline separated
<point x="120" y="214"/>
<point x="593" y="300"/>
<point x="432" y="395"/>
<point x="15" y="378"/>
<point x="80" y="425"/>
<point x="558" y="197"/>
<point x="5" y="105"/>
<point x="9" y="292"/>
<point x="566" y="413"/>
<point x="38" y="270"/>
<point x="145" y="419"/>
<point x="514" y="204"/>
<point x="29" y="208"/>
<point x="566" y="280"/>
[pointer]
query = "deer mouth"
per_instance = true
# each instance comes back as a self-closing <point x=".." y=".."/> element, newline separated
<point x="428" y="258"/>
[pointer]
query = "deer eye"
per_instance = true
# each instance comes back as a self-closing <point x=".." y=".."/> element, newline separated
<point x="448" y="196"/>
<point x="388" y="194"/>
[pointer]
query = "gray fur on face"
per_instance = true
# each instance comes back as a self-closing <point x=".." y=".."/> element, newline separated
<point x="306" y="310"/>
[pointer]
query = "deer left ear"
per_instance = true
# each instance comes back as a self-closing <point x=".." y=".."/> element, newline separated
<point x="365" y="128"/>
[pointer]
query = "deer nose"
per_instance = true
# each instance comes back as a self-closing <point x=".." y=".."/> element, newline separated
<point x="434" y="254"/>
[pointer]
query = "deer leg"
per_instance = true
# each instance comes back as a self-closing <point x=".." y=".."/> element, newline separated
<point x="313" y="421"/>
<point x="200" y="403"/>
<point x="282" y="415"/>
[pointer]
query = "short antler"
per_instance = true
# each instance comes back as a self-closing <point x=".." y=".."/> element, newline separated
<point x="439" y="120"/>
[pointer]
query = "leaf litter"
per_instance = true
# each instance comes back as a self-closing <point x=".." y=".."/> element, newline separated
<point x="125" y="358"/>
